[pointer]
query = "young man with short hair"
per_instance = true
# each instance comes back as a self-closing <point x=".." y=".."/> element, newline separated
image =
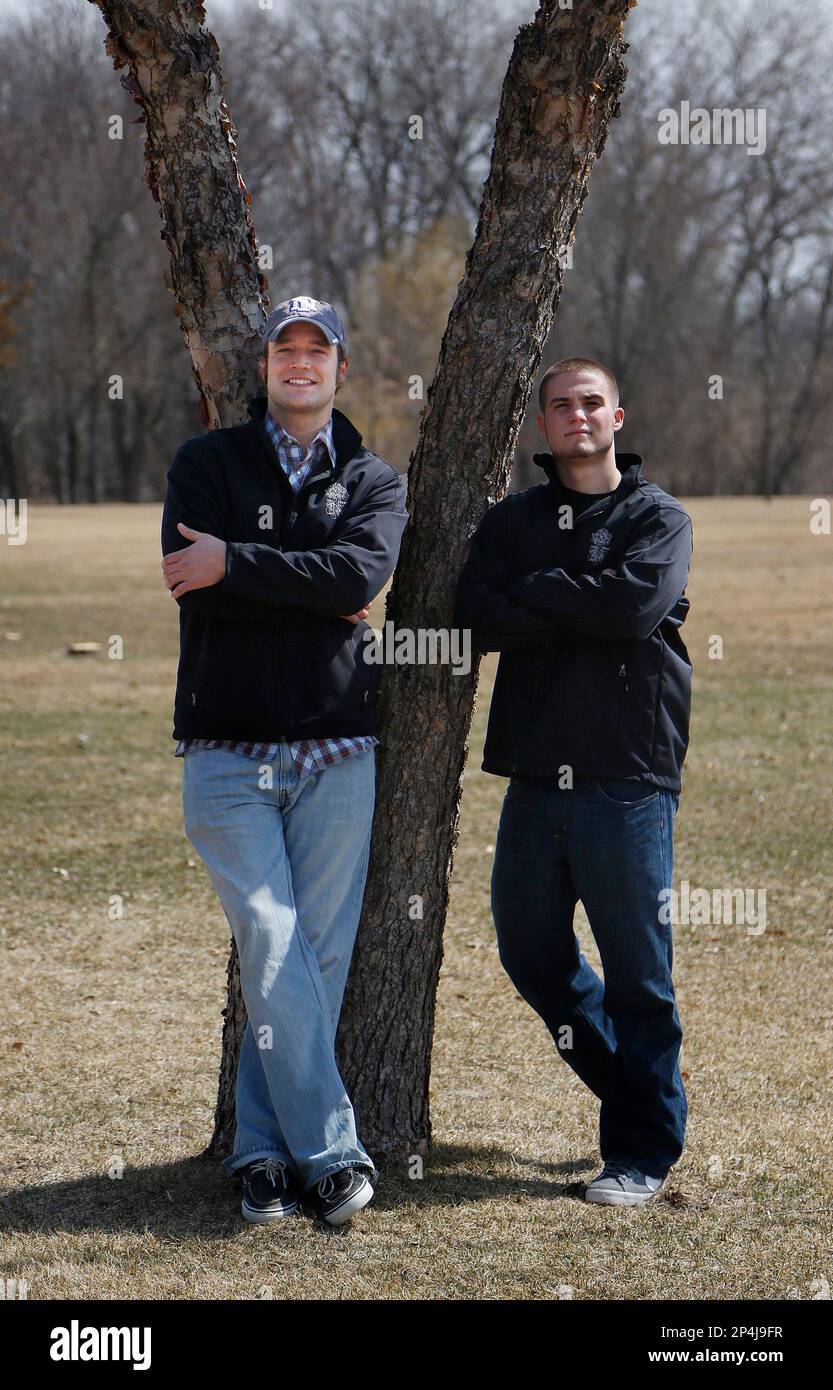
<point x="293" y="528"/>
<point x="580" y="585"/>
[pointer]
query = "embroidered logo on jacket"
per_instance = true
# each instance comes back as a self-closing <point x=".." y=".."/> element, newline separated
<point x="335" y="498"/>
<point x="599" y="545"/>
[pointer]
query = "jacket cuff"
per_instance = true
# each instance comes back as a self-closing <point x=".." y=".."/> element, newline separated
<point x="228" y="580"/>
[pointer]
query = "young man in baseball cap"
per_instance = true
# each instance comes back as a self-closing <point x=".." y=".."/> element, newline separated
<point x="292" y="527"/>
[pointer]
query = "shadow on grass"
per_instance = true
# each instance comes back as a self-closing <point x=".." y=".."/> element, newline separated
<point x="198" y="1196"/>
<point x="463" y="1173"/>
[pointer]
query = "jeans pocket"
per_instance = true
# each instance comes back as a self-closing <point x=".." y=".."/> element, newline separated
<point x="623" y="793"/>
<point x="517" y="786"/>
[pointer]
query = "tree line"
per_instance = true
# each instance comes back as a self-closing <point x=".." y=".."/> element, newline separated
<point x="702" y="272"/>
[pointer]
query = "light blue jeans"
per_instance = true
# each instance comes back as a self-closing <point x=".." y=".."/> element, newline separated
<point x="289" y="864"/>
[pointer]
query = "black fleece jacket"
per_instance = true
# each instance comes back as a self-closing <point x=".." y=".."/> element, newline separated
<point x="264" y="653"/>
<point x="593" y="674"/>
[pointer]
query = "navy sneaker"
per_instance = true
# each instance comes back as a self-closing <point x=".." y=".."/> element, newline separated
<point x="340" y="1195"/>
<point x="269" y="1192"/>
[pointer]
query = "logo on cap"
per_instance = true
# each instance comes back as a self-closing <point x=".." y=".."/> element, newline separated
<point x="303" y="305"/>
<point x="306" y="309"/>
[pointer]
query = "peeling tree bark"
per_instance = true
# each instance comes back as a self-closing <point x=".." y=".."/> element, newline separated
<point x="562" y="87"/>
<point x="173" y="73"/>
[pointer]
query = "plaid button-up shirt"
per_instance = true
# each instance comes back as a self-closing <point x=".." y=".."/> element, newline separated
<point x="310" y="754"/>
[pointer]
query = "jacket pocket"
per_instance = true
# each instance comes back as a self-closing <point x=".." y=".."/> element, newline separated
<point x="230" y="686"/>
<point x="585" y="688"/>
<point x="325" y="675"/>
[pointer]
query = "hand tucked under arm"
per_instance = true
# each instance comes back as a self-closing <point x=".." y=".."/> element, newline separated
<point x="259" y="588"/>
<point x="629" y="602"/>
<point x="498" y="622"/>
<point x="203" y="563"/>
<point x="329" y="579"/>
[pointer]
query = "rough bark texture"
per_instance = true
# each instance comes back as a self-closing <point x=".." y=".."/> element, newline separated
<point x="562" y="86"/>
<point x="561" y="89"/>
<point x="173" y="73"/>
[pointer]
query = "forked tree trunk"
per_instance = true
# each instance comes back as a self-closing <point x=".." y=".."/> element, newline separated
<point x="562" y="86"/>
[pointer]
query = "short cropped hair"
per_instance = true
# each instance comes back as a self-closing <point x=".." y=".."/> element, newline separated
<point x="578" y="364"/>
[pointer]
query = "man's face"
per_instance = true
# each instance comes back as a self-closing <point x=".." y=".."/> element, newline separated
<point x="302" y="369"/>
<point x="579" y="419"/>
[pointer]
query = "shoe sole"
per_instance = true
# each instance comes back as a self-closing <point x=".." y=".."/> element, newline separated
<point x="621" y="1199"/>
<point x="257" y="1216"/>
<point x="350" y="1206"/>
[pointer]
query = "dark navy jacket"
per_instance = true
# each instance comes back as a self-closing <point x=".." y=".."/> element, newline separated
<point x="264" y="653"/>
<point x="593" y="673"/>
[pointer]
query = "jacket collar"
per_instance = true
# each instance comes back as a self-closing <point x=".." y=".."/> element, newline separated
<point x="629" y="465"/>
<point x="346" y="437"/>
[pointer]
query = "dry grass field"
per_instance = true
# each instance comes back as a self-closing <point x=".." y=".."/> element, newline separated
<point x="111" y="1028"/>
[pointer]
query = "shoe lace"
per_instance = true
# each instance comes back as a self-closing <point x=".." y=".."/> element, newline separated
<point x="273" y="1168"/>
<point x="619" y="1171"/>
<point x="325" y="1186"/>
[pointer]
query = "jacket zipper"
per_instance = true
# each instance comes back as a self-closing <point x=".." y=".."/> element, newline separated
<point x="623" y="676"/>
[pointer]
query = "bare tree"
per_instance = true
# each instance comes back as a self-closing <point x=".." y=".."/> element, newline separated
<point x="698" y="262"/>
<point x="693" y="262"/>
<point x="561" y="89"/>
<point x="562" y="86"/>
<point x="78" y="225"/>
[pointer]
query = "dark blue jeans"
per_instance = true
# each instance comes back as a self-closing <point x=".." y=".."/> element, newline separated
<point x="609" y="844"/>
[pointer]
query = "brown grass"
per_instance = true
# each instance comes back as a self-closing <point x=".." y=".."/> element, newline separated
<point x="111" y="1035"/>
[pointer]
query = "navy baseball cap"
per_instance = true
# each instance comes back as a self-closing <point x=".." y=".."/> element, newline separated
<point x="303" y="309"/>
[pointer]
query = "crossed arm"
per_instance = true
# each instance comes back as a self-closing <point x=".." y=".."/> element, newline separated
<point x="223" y="578"/>
<point x="508" y="612"/>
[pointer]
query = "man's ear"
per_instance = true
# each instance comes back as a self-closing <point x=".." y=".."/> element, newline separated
<point x="618" y="418"/>
<point x="539" y="420"/>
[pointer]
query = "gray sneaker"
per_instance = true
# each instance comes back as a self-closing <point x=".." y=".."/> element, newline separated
<point x="618" y="1186"/>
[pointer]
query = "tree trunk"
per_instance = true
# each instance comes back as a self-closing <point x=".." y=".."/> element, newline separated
<point x="191" y="169"/>
<point x="562" y="87"/>
<point x="72" y="469"/>
<point x="11" y="474"/>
